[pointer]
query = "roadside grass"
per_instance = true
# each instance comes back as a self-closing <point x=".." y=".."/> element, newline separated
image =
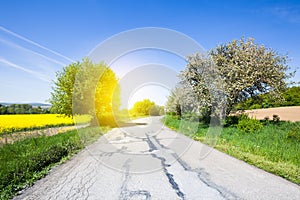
<point x="25" y="161"/>
<point x="274" y="148"/>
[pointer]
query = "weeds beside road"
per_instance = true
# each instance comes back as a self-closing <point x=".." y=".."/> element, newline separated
<point x="28" y="160"/>
<point x="274" y="148"/>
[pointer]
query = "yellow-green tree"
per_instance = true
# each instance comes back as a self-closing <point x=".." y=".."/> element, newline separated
<point x="142" y="108"/>
<point x="107" y="98"/>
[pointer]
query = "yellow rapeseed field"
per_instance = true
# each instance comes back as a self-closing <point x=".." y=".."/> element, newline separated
<point x="13" y="123"/>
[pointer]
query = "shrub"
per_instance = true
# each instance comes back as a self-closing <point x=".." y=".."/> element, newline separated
<point x="276" y="118"/>
<point x="231" y="120"/>
<point x="294" y="134"/>
<point x="267" y="118"/>
<point x="249" y="125"/>
<point x="255" y="106"/>
<point x="190" y="116"/>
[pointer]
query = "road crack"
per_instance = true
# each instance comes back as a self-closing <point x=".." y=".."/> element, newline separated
<point x="170" y="176"/>
<point x="202" y="175"/>
<point x="125" y="193"/>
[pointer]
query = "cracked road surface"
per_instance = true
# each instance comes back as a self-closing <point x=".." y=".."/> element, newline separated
<point x="149" y="161"/>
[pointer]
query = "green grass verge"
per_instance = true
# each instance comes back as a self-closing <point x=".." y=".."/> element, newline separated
<point x="274" y="148"/>
<point x="28" y="160"/>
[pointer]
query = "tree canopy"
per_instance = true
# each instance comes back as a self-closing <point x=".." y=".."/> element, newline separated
<point x="142" y="108"/>
<point x="236" y="71"/>
<point x="61" y="97"/>
<point x="87" y="88"/>
<point x="145" y="108"/>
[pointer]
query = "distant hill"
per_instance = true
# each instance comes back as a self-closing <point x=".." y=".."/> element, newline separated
<point x="42" y="105"/>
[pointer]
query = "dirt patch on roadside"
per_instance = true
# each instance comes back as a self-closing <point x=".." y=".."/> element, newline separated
<point x="285" y="113"/>
<point x="12" y="137"/>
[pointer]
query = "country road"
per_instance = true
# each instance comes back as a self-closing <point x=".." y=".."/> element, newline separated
<point x="150" y="161"/>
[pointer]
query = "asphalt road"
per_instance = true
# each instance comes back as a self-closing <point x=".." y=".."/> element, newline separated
<point x="150" y="161"/>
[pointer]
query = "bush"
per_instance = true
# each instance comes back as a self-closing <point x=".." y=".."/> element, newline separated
<point x="190" y="116"/>
<point x="249" y="125"/>
<point x="276" y="118"/>
<point x="267" y="118"/>
<point x="232" y="120"/>
<point x="294" y="134"/>
<point x="255" y="106"/>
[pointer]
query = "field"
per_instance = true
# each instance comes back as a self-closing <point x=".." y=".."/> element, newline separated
<point x="275" y="147"/>
<point x="285" y="113"/>
<point x="14" y="123"/>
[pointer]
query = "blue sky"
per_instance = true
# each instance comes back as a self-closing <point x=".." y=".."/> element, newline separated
<point x="38" y="38"/>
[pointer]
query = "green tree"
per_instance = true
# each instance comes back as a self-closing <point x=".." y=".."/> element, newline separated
<point x="236" y="71"/>
<point x="87" y="88"/>
<point x="154" y="110"/>
<point x="61" y="97"/>
<point x="11" y="109"/>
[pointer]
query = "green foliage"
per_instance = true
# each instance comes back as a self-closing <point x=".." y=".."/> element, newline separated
<point x="294" y="134"/>
<point x="255" y="106"/>
<point x="22" y="109"/>
<point x="190" y="116"/>
<point x="172" y="121"/>
<point x="25" y="161"/>
<point x="273" y="148"/>
<point x="249" y="125"/>
<point x="87" y="88"/>
<point x="61" y="97"/>
<point x="291" y="97"/>
<point x="232" y="120"/>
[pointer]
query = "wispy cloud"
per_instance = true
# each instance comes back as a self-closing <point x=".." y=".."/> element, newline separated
<point x="33" y="52"/>
<point x="20" y="52"/>
<point x="31" y="72"/>
<point x="34" y="43"/>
